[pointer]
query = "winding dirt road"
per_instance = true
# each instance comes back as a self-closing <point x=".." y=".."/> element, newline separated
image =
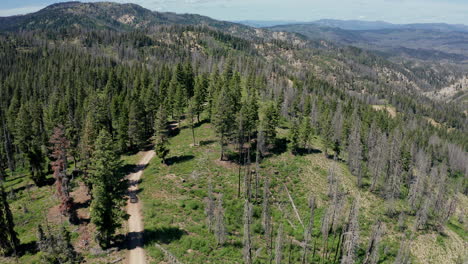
<point x="136" y="253"/>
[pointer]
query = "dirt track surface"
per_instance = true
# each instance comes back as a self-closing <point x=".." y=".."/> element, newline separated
<point x="136" y="253"/>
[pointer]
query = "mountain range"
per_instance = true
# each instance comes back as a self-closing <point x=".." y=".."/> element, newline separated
<point x="357" y="24"/>
<point x="432" y="56"/>
<point x="341" y="145"/>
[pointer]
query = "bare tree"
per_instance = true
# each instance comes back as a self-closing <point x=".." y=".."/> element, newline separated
<point x="210" y="206"/>
<point x="377" y="160"/>
<point x="417" y="184"/>
<point x="308" y="230"/>
<point x="372" y="252"/>
<point x="247" y="252"/>
<point x="394" y="171"/>
<point x="220" y="229"/>
<point x="351" y="235"/>
<point x="355" y="151"/>
<point x="403" y="256"/>
<point x="279" y="245"/>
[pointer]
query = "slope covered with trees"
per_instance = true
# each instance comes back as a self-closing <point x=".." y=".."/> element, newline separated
<point x="263" y="115"/>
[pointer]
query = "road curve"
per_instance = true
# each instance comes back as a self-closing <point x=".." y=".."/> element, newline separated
<point x="136" y="254"/>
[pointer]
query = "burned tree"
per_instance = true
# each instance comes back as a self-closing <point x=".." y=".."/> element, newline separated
<point x="220" y="228"/>
<point x="59" y="148"/>
<point x="247" y="251"/>
<point x="308" y="231"/>
<point x="351" y="235"/>
<point x="372" y="252"/>
<point x="279" y="245"/>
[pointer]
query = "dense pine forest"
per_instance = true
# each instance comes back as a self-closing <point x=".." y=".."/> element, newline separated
<point x="269" y="148"/>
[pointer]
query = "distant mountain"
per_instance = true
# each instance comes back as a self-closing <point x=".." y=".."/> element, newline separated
<point x="378" y="25"/>
<point x="266" y="23"/>
<point x="422" y="41"/>
<point x="354" y="24"/>
<point x="101" y="15"/>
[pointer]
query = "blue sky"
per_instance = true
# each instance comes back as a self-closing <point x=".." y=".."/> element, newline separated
<point x="395" y="11"/>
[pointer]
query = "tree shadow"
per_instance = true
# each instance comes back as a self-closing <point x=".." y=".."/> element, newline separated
<point x="174" y="128"/>
<point x="29" y="248"/>
<point x="307" y="151"/>
<point x="206" y="142"/>
<point x="164" y="235"/>
<point x="132" y="183"/>
<point x="47" y="182"/>
<point x="22" y="188"/>
<point x="280" y="146"/>
<point x="179" y="159"/>
<point x="81" y="205"/>
<point x="199" y="124"/>
<point x="131" y="168"/>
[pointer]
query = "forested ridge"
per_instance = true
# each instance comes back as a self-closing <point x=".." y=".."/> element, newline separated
<point x="73" y="101"/>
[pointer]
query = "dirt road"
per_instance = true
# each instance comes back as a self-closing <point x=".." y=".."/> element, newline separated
<point x="136" y="253"/>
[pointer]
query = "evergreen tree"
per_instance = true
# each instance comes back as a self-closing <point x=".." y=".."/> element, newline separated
<point x="109" y="188"/>
<point x="200" y="94"/>
<point x="269" y="122"/>
<point x="29" y="142"/>
<point x="136" y="128"/>
<point x="191" y="118"/>
<point x="306" y="132"/>
<point x="160" y="136"/>
<point x="9" y="241"/>
<point x="224" y="118"/>
<point x="294" y="137"/>
<point x="57" y="247"/>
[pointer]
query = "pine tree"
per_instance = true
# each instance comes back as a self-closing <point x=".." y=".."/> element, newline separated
<point x="269" y="122"/>
<point x="109" y="188"/>
<point x="306" y="132"/>
<point x="191" y="117"/>
<point x="294" y="137"/>
<point x="160" y="137"/>
<point x="9" y="241"/>
<point x="337" y="123"/>
<point x="200" y="94"/>
<point x="136" y="128"/>
<point x="224" y="118"/>
<point x="28" y="140"/>
<point x="57" y="246"/>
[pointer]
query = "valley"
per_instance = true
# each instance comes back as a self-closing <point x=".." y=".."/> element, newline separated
<point x="135" y="136"/>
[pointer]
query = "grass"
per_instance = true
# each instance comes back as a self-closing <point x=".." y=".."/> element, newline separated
<point x="173" y="197"/>
<point x="29" y="205"/>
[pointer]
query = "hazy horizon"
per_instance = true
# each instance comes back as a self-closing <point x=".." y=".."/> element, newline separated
<point x="396" y="11"/>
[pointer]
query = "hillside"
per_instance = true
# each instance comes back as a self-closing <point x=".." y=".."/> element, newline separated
<point x="268" y="146"/>
<point x="98" y="16"/>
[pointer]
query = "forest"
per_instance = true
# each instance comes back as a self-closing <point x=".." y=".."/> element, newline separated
<point x="235" y="127"/>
